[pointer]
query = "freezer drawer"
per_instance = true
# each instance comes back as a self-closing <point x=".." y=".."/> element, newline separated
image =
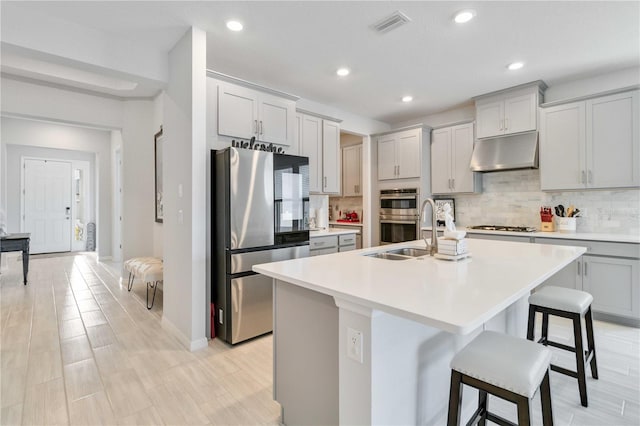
<point x="251" y="307"/>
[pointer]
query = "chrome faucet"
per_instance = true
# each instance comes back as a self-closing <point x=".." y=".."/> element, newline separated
<point x="433" y="247"/>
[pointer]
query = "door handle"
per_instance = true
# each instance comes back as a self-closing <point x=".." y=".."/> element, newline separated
<point x="579" y="268"/>
<point x="255" y="126"/>
<point x="585" y="269"/>
<point x="590" y="178"/>
<point x="67" y="210"/>
<point x="453" y="183"/>
<point x="261" y="128"/>
<point x="506" y="123"/>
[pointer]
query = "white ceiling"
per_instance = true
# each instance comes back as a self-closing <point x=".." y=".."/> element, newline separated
<point x="296" y="47"/>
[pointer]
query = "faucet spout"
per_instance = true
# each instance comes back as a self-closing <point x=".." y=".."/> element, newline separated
<point x="433" y="247"/>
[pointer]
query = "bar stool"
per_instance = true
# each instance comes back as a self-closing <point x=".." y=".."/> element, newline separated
<point x="572" y="304"/>
<point x="507" y="367"/>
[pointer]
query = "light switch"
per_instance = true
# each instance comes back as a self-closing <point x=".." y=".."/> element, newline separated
<point x="179" y="190"/>
<point x="180" y="217"/>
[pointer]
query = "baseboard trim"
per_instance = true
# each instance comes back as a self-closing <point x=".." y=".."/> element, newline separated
<point x="192" y="345"/>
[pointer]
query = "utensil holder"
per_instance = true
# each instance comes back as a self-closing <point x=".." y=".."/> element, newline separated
<point x="566" y="224"/>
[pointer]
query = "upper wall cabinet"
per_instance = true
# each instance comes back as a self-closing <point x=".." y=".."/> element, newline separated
<point x="592" y="143"/>
<point x="352" y="170"/>
<point x="247" y="113"/>
<point x="509" y="111"/>
<point x="451" y="149"/>
<point x="399" y="154"/>
<point x="320" y="141"/>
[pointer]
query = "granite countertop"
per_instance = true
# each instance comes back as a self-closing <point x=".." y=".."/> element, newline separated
<point x="586" y="236"/>
<point x="456" y="297"/>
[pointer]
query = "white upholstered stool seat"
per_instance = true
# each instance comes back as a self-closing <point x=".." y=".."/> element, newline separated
<point x="562" y="299"/>
<point x="508" y="362"/>
<point x="150" y="268"/>
<point x="504" y="366"/>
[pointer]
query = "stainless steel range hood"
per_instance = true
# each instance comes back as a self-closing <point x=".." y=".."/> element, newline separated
<point x="506" y="153"/>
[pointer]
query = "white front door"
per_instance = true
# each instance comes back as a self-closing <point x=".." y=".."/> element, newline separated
<point x="47" y="205"/>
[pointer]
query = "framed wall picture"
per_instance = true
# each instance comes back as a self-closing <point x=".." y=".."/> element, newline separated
<point x="158" y="141"/>
<point x="440" y="214"/>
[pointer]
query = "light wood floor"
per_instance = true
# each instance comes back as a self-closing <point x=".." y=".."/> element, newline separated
<point x="77" y="348"/>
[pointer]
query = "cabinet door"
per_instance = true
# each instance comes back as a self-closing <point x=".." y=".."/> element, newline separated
<point x="237" y="111"/>
<point x="462" y="178"/>
<point x="520" y="113"/>
<point x="408" y="155"/>
<point x="387" y="157"/>
<point x="613" y="283"/>
<point x="562" y="142"/>
<point x="351" y="159"/>
<point x="613" y="147"/>
<point x="441" y="161"/>
<point x="311" y="146"/>
<point x="331" y="157"/>
<point x="276" y="120"/>
<point x="490" y="116"/>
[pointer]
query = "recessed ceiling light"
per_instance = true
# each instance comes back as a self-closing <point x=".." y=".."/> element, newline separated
<point x="515" y="66"/>
<point x="234" y="25"/>
<point x="464" y="16"/>
<point x="407" y="98"/>
<point x="343" y="72"/>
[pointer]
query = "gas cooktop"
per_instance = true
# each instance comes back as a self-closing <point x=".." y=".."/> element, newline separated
<point x="503" y="228"/>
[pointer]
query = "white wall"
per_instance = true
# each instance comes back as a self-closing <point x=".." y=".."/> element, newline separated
<point x="36" y="138"/>
<point x="186" y="305"/>
<point x="572" y="88"/>
<point x="116" y="195"/>
<point x="134" y="119"/>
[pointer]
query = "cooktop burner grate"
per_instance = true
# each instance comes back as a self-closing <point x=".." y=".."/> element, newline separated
<point x="503" y="228"/>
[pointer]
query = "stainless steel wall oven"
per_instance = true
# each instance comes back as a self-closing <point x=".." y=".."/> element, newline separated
<point x="399" y="211"/>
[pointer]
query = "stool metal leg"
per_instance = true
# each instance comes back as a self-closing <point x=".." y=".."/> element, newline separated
<point x="582" y="381"/>
<point x="545" y="397"/>
<point x="154" y="286"/>
<point x="591" y="346"/>
<point x="130" y="283"/>
<point x="455" y="399"/>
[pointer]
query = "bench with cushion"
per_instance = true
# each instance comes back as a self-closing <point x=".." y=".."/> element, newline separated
<point x="150" y="269"/>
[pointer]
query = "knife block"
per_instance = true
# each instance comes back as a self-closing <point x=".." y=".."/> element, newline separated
<point x="547" y="227"/>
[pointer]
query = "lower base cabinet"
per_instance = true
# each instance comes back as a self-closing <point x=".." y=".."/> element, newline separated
<point x="609" y="272"/>
<point x="328" y="244"/>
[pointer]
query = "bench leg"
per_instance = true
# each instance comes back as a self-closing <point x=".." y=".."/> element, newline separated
<point x="154" y="286"/>
<point x="591" y="346"/>
<point x="545" y="397"/>
<point x="582" y="380"/>
<point x="130" y="283"/>
<point x="455" y="399"/>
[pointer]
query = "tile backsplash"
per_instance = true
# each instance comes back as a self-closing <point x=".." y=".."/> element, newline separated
<point x="344" y="204"/>
<point x="514" y="198"/>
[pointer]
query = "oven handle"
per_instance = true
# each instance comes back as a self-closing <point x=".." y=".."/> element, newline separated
<point x="400" y="222"/>
<point x="394" y="197"/>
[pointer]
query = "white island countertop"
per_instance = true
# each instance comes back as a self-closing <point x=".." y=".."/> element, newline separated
<point x="453" y="296"/>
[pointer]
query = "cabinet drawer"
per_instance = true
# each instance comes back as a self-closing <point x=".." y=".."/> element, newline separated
<point x="598" y="248"/>
<point x="329" y="241"/>
<point x="319" y="252"/>
<point x="347" y="239"/>
<point x="499" y="237"/>
<point x="348" y="247"/>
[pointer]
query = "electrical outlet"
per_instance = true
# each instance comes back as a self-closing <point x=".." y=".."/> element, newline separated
<point x="354" y="345"/>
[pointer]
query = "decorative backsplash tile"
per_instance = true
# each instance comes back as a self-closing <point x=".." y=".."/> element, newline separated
<point x="514" y="198"/>
<point x="344" y="204"/>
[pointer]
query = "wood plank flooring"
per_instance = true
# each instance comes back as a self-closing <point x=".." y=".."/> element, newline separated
<point x="77" y="348"/>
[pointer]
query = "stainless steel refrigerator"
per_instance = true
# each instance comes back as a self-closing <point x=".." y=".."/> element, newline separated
<point x="261" y="209"/>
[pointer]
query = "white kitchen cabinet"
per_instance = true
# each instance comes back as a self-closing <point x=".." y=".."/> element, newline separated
<point x="608" y="271"/>
<point x="325" y="244"/>
<point x="399" y="155"/>
<point x="352" y="170"/>
<point x="451" y="149"/>
<point x="346" y="242"/>
<point x="247" y="113"/>
<point x="320" y="141"/>
<point x="592" y="143"/>
<point x="509" y="112"/>
<point x="331" y="157"/>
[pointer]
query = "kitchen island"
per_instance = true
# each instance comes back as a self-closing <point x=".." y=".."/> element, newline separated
<point x="364" y="340"/>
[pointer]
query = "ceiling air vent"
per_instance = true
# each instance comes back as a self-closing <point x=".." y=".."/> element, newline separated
<point x="395" y="20"/>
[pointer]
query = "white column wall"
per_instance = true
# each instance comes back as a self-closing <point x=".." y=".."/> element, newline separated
<point x="184" y="228"/>
<point x="138" y="190"/>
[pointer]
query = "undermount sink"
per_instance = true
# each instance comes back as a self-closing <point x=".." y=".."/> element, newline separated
<point x="388" y="256"/>
<point x="410" y="251"/>
<point x="400" y="254"/>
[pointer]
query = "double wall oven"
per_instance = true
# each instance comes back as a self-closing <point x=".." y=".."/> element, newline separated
<point x="399" y="215"/>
